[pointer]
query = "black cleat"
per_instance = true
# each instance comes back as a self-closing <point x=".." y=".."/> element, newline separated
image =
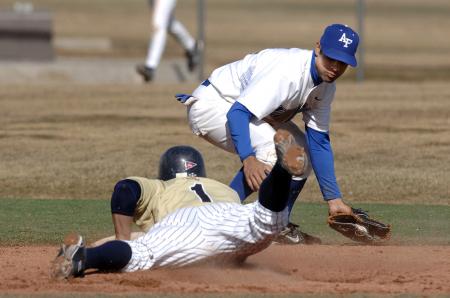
<point x="193" y="57"/>
<point x="145" y="72"/>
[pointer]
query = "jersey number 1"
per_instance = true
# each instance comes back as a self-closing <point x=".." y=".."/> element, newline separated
<point x="200" y="192"/>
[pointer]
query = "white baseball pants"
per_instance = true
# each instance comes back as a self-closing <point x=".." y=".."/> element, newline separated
<point x="218" y="232"/>
<point x="207" y="118"/>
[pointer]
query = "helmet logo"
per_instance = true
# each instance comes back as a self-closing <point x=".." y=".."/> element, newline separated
<point x="189" y="165"/>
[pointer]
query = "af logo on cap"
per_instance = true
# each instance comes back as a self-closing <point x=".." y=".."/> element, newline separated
<point x="345" y="40"/>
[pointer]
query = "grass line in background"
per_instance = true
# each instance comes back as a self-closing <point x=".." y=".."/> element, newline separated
<point x="31" y="221"/>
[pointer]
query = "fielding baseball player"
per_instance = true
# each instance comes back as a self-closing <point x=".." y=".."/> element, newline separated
<point x="216" y="231"/>
<point x="240" y="106"/>
<point x="163" y="22"/>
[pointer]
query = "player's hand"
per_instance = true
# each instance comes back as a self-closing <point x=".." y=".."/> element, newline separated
<point x="255" y="172"/>
<point x="337" y="206"/>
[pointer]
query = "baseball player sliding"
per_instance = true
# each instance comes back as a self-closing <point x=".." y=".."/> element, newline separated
<point x="163" y="22"/>
<point x="216" y="231"/>
<point x="240" y="106"/>
<point x="144" y="202"/>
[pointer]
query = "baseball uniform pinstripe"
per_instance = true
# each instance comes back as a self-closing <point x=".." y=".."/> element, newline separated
<point x="159" y="198"/>
<point x="216" y="232"/>
<point x="220" y="232"/>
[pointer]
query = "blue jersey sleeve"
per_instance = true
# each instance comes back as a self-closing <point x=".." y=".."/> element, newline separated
<point x="238" y="122"/>
<point x="322" y="162"/>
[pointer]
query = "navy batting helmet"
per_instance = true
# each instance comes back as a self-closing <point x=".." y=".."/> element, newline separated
<point x="181" y="161"/>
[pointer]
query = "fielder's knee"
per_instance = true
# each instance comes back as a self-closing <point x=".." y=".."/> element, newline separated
<point x="125" y="197"/>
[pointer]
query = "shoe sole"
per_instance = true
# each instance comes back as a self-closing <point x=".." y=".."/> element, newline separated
<point x="62" y="265"/>
<point x="291" y="155"/>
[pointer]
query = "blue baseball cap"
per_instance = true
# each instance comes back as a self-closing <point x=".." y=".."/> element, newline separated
<point x="340" y="42"/>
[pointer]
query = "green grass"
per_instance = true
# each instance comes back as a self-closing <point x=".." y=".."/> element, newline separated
<point x="26" y="221"/>
<point x="31" y="221"/>
<point x="412" y="224"/>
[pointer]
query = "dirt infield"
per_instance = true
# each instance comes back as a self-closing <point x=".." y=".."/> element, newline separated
<point x="320" y="269"/>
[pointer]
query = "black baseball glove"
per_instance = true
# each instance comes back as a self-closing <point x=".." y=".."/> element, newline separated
<point x="359" y="227"/>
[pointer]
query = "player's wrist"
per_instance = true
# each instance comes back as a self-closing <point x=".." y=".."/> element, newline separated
<point x="248" y="157"/>
<point x="337" y="206"/>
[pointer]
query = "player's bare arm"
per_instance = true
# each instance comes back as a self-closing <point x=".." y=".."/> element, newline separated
<point x="122" y="226"/>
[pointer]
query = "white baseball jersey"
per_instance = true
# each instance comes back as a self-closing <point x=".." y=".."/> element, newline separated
<point x="217" y="232"/>
<point x="272" y="84"/>
<point x="273" y="79"/>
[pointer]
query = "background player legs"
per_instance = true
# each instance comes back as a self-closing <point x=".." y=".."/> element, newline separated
<point x="181" y="34"/>
<point x="162" y="16"/>
<point x="163" y="22"/>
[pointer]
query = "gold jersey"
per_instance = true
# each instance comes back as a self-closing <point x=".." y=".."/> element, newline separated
<point x="160" y="198"/>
